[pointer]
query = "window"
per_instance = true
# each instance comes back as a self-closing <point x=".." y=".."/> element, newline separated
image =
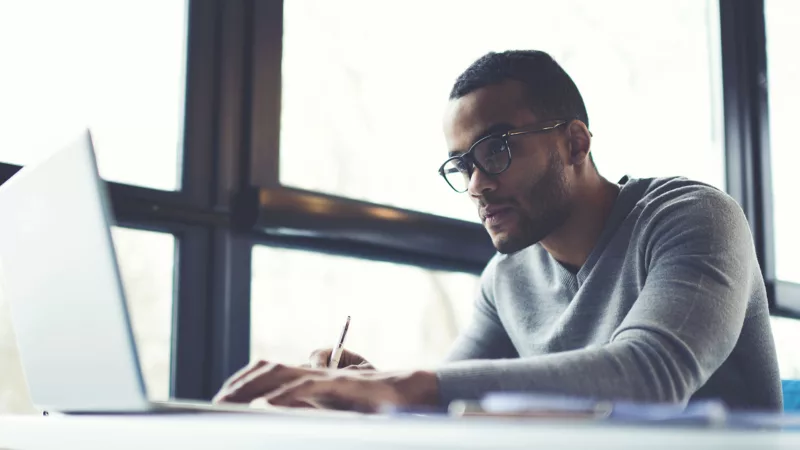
<point x="373" y="91"/>
<point x="783" y="33"/>
<point x="115" y="67"/>
<point x="146" y="262"/>
<point x="402" y="316"/>
<point x="787" y="334"/>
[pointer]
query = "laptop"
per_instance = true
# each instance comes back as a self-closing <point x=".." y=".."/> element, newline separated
<point x="59" y="272"/>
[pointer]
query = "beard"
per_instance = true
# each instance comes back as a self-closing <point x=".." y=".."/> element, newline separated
<point x="547" y="208"/>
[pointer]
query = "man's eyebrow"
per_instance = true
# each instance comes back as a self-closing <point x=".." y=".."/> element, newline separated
<point x="497" y="128"/>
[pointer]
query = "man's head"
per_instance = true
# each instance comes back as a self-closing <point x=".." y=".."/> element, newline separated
<point x="528" y="179"/>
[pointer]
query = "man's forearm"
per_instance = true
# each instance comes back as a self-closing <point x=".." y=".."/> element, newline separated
<point x="643" y="368"/>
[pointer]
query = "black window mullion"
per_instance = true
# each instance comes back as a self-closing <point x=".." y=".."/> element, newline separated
<point x="787" y="297"/>
<point x="198" y="161"/>
<point x="748" y="165"/>
<point x="192" y="339"/>
<point x="7" y="171"/>
<point x="267" y="54"/>
<point x="191" y="342"/>
<point x="230" y="318"/>
<point x="228" y="322"/>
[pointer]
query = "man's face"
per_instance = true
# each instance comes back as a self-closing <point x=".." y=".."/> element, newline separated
<point x="524" y="204"/>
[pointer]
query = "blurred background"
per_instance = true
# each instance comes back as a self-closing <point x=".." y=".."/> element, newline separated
<point x="272" y="165"/>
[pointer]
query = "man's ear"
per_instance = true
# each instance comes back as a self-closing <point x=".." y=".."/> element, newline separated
<point x="579" y="142"/>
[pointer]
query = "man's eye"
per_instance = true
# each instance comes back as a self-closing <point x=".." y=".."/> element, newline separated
<point x="490" y="148"/>
<point x="497" y="147"/>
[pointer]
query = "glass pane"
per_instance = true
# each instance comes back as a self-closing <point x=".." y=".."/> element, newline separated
<point x="787" y="335"/>
<point x="363" y="97"/>
<point x="402" y="316"/>
<point x="146" y="262"/>
<point x="115" y="67"/>
<point x="783" y="34"/>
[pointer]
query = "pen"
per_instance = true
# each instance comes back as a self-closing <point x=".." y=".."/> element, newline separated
<point x="336" y="353"/>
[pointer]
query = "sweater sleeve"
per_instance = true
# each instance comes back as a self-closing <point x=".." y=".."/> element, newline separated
<point x="485" y="337"/>
<point x="681" y="328"/>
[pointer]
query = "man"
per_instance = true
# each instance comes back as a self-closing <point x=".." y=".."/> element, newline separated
<point x="644" y="290"/>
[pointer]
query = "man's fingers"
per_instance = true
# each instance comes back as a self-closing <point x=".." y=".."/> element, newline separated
<point x="336" y="391"/>
<point x="243" y="372"/>
<point x="261" y="403"/>
<point x="319" y="358"/>
<point x="244" y="388"/>
<point x="366" y="366"/>
<point x="362" y="366"/>
<point x="303" y="404"/>
<point x="260" y="382"/>
<point x="304" y="389"/>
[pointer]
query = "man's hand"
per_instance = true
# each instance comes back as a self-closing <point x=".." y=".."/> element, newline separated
<point x="365" y="391"/>
<point x="349" y="360"/>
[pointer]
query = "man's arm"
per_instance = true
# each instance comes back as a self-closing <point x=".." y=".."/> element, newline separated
<point x="682" y="327"/>
<point x="680" y="330"/>
<point x="369" y="390"/>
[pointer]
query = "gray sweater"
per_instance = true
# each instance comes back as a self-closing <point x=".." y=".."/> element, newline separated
<point x="670" y="306"/>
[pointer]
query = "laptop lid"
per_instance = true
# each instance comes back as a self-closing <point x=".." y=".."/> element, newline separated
<point x="58" y="270"/>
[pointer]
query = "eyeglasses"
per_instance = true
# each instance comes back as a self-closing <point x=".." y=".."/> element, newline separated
<point x="490" y="154"/>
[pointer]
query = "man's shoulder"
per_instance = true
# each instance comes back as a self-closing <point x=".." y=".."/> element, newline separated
<point x="681" y="194"/>
<point x="666" y="188"/>
<point x="674" y="206"/>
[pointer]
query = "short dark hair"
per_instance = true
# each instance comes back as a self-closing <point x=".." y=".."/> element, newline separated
<point x="551" y="92"/>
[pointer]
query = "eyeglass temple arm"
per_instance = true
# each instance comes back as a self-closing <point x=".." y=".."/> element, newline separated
<point x="540" y="130"/>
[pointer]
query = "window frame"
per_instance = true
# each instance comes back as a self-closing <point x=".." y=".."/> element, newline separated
<point x="231" y="197"/>
<point x="747" y="143"/>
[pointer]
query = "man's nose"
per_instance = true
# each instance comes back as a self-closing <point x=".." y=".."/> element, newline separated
<point x="480" y="183"/>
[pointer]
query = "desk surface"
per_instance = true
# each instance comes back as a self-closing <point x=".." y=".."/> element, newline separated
<point x="200" y="431"/>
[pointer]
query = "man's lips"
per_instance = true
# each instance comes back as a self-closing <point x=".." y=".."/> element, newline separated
<point x="491" y="212"/>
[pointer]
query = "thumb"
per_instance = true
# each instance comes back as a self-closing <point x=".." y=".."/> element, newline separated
<point x="319" y="358"/>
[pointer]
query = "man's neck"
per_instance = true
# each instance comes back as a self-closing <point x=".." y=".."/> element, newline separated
<point x="572" y="243"/>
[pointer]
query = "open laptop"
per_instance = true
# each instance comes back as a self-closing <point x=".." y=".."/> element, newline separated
<point x="58" y="270"/>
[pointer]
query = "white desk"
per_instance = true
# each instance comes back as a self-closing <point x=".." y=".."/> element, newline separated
<point x="201" y="431"/>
